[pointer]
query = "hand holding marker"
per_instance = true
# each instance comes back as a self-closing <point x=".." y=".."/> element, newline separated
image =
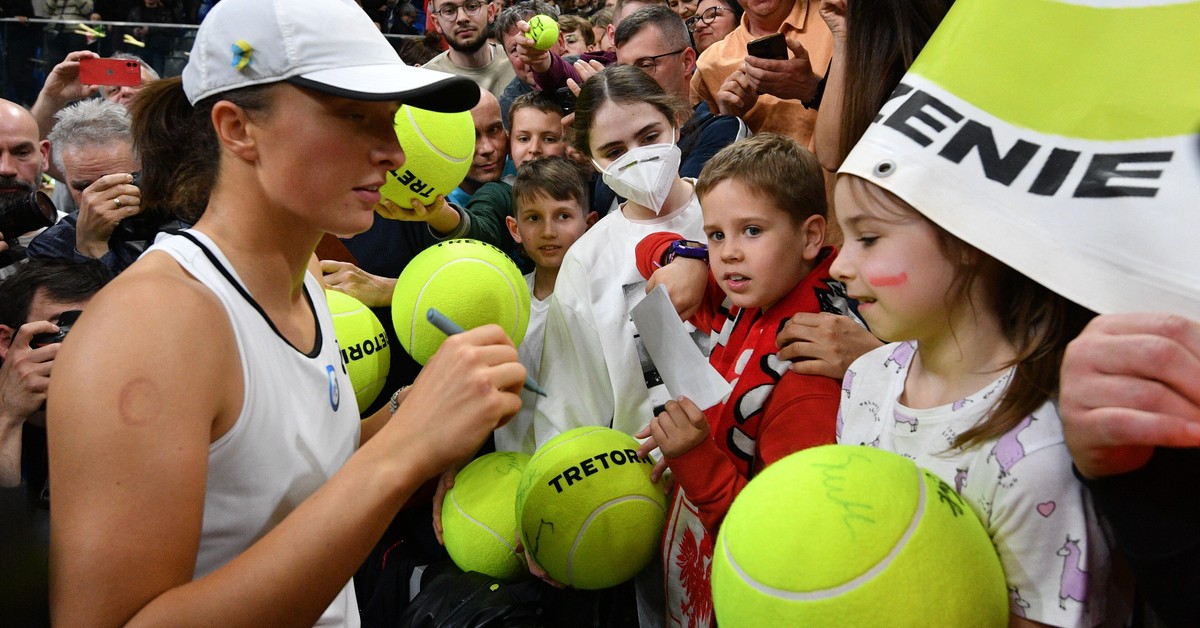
<point x="449" y="327"/>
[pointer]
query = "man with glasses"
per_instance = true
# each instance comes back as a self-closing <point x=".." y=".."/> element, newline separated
<point x="778" y="96"/>
<point x="464" y="24"/>
<point x="655" y="40"/>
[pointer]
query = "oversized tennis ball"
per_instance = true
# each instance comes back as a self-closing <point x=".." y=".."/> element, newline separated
<point x="438" y="150"/>
<point x="854" y="536"/>
<point x="364" y="345"/>
<point x="471" y="282"/>
<point x="543" y="30"/>
<point x="589" y="514"/>
<point x="478" y="520"/>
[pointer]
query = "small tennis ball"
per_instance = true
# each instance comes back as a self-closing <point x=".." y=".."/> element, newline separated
<point x="364" y="345"/>
<point x="543" y="30"/>
<point x="471" y="282"/>
<point x="854" y="536"/>
<point x="589" y="514"/>
<point x="438" y="150"/>
<point x="478" y="520"/>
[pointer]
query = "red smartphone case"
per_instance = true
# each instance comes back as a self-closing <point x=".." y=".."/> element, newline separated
<point x="109" y="72"/>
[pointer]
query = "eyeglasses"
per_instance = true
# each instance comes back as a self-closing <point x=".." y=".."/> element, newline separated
<point x="650" y="64"/>
<point x="708" y="17"/>
<point x="449" y="11"/>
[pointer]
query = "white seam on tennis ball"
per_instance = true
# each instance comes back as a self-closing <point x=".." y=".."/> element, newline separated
<point x="511" y="547"/>
<point x="418" y="317"/>
<point x="421" y="134"/>
<point x="587" y="522"/>
<point x="541" y="451"/>
<point x="809" y="596"/>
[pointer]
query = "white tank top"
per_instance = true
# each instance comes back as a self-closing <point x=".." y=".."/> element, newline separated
<point x="298" y="424"/>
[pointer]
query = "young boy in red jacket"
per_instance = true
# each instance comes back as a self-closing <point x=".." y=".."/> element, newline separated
<point x="764" y="208"/>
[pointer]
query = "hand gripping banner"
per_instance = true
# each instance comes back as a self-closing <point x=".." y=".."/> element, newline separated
<point x="1062" y="138"/>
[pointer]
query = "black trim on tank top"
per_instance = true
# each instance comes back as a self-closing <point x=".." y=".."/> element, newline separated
<point x="316" y="350"/>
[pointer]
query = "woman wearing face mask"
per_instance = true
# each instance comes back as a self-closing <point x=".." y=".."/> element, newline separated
<point x="596" y="370"/>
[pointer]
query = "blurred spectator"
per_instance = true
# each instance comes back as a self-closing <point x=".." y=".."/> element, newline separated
<point x="654" y="40"/>
<point x="577" y="35"/>
<point x="93" y="147"/>
<point x="770" y="95"/>
<point x="683" y="8"/>
<point x="30" y="301"/>
<point x="20" y="43"/>
<point x="123" y="94"/>
<point x="506" y="30"/>
<point x="61" y="38"/>
<point x="23" y="157"/>
<point x="600" y="22"/>
<point x="159" y="41"/>
<point x="418" y="52"/>
<point x="464" y="24"/>
<point x="714" y="20"/>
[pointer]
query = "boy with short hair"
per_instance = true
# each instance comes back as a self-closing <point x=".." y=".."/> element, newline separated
<point x="551" y="212"/>
<point x="535" y="128"/>
<point x="764" y="207"/>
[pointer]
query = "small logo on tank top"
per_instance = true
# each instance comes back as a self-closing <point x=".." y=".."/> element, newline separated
<point x="335" y="392"/>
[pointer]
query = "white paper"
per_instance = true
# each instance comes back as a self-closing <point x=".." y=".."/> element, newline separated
<point x="683" y="368"/>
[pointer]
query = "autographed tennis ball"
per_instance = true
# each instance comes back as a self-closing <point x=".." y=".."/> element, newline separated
<point x="588" y="512"/>
<point x="543" y="30"/>
<point x="471" y="282"/>
<point x="478" y="519"/>
<point x="855" y="536"/>
<point x="438" y="150"/>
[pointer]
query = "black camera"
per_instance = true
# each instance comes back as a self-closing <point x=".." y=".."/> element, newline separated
<point x="65" y="321"/>
<point x="565" y="99"/>
<point x="32" y="212"/>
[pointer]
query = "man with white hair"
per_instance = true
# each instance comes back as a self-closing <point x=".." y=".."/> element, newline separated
<point x="93" y="149"/>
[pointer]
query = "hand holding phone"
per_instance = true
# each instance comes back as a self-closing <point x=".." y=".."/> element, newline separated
<point x="95" y="71"/>
<point x="772" y="46"/>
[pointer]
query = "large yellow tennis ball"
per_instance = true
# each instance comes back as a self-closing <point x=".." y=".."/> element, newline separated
<point x="543" y="30"/>
<point x="364" y="345"/>
<point x="854" y="536"/>
<point x="589" y="514"/>
<point x="438" y="149"/>
<point x="479" y="523"/>
<point x="471" y="282"/>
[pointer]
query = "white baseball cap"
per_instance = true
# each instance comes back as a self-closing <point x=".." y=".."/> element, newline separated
<point x="329" y="46"/>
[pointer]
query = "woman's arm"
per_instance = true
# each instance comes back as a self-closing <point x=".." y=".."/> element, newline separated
<point x="135" y="406"/>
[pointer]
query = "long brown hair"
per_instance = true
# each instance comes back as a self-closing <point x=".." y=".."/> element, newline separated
<point x="1037" y="322"/>
<point x="178" y="144"/>
<point x="883" y="39"/>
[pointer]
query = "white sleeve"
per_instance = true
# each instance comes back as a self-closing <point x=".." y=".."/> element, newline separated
<point x="573" y="370"/>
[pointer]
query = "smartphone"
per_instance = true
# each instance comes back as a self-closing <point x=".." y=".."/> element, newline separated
<point x="769" y="47"/>
<point x="109" y="72"/>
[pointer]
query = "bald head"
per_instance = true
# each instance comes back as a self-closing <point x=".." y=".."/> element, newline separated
<point x="22" y="156"/>
<point x="491" y="143"/>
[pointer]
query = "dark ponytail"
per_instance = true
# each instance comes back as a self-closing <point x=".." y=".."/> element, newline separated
<point x="178" y="146"/>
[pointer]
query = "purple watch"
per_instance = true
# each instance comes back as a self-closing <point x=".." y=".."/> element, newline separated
<point x="686" y="248"/>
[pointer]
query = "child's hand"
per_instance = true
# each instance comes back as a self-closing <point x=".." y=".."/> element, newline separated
<point x="647" y="446"/>
<point x="685" y="280"/>
<point x="675" y="431"/>
<point x="445" y="483"/>
<point x="537" y="60"/>
<point x="534" y="567"/>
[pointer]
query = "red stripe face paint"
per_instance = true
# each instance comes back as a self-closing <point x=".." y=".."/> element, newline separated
<point x="887" y="281"/>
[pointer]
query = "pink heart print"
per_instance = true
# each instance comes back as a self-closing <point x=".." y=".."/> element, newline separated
<point x="1045" y="509"/>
